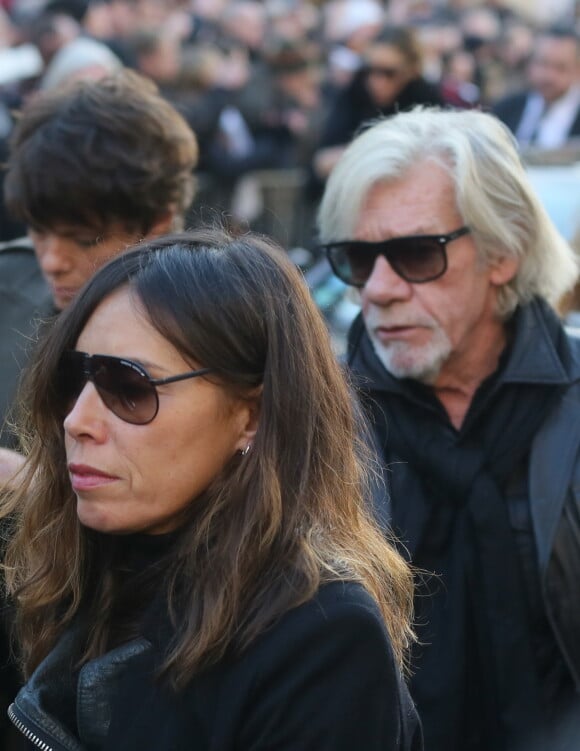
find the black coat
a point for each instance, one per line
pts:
(323, 678)
(547, 490)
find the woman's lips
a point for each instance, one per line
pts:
(84, 477)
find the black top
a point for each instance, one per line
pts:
(323, 678)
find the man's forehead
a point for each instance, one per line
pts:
(70, 230)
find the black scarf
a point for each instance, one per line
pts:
(454, 517)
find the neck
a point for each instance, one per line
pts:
(464, 372)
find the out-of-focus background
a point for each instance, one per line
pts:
(275, 89)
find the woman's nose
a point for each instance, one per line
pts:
(87, 416)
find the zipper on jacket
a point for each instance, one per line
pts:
(26, 732)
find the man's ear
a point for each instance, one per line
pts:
(503, 270)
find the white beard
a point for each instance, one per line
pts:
(420, 362)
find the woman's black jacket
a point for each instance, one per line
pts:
(323, 678)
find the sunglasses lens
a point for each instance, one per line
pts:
(417, 260)
(352, 262)
(125, 390)
(71, 378)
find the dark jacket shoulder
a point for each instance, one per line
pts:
(322, 677)
(18, 262)
(24, 300)
(510, 108)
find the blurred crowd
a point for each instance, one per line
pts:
(275, 85)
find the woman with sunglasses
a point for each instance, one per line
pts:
(389, 80)
(193, 563)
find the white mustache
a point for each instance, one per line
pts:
(380, 320)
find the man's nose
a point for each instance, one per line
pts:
(384, 285)
(53, 253)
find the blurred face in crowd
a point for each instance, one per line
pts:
(427, 331)
(554, 67)
(461, 66)
(516, 45)
(162, 63)
(69, 255)
(387, 72)
(140, 478)
(246, 23)
(208, 9)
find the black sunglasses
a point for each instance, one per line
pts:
(124, 386)
(415, 258)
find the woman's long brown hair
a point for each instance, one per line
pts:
(292, 514)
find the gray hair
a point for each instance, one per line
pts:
(493, 193)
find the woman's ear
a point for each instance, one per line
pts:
(249, 413)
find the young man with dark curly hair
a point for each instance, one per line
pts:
(93, 168)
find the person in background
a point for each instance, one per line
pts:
(514, 50)
(547, 114)
(87, 188)
(458, 86)
(389, 81)
(473, 389)
(481, 28)
(157, 54)
(194, 560)
(67, 53)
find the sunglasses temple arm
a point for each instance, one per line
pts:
(180, 377)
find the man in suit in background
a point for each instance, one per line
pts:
(547, 114)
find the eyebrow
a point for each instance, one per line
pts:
(154, 367)
(416, 233)
(149, 366)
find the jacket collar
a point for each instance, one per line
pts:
(537, 356)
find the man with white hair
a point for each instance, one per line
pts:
(472, 386)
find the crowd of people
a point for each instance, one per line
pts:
(283, 85)
(214, 532)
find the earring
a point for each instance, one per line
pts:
(246, 451)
